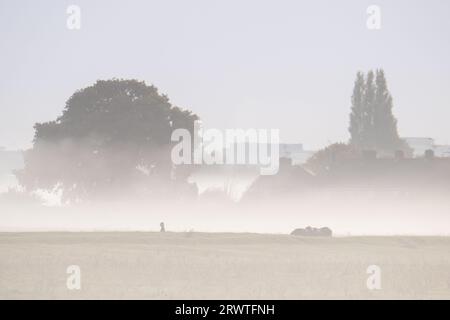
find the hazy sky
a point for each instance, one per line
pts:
(238, 64)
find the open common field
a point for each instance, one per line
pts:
(192, 265)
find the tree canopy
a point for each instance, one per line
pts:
(112, 137)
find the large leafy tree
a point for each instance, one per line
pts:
(112, 138)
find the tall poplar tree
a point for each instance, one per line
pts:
(385, 124)
(368, 133)
(372, 123)
(357, 114)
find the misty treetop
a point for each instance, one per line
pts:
(372, 123)
(113, 135)
(373, 127)
(116, 111)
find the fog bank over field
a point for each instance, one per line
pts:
(372, 215)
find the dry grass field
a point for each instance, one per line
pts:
(140, 265)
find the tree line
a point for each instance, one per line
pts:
(114, 137)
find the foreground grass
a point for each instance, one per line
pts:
(221, 266)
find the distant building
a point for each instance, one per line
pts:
(237, 179)
(288, 150)
(295, 152)
(442, 151)
(291, 151)
(421, 145)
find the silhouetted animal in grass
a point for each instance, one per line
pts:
(163, 228)
(312, 232)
